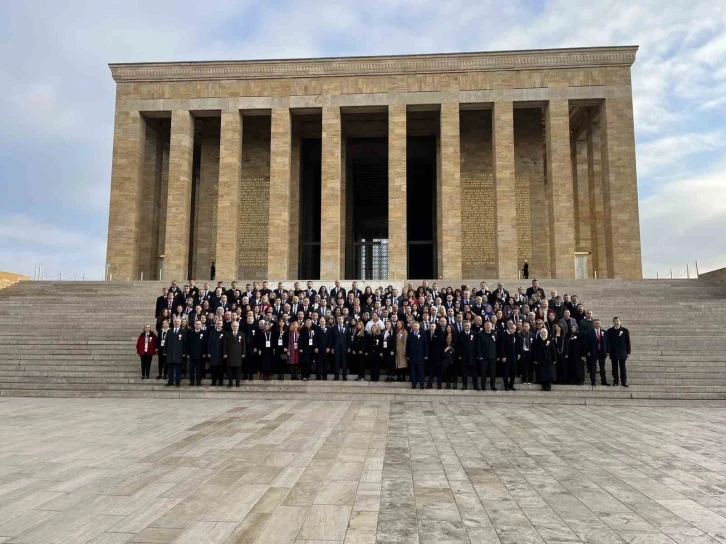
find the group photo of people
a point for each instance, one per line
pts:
(428, 335)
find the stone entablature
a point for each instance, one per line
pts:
(538, 59)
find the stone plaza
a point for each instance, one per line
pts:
(111, 471)
(413, 166)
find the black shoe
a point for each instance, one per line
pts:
(615, 384)
(158, 377)
(593, 384)
(167, 385)
(464, 388)
(606, 384)
(477, 389)
(335, 379)
(512, 388)
(229, 385)
(178, 385)
(448, 386)
(413, 386)
(428, 386)
(454, 387)
(438, 386)
(625, 385)
(237, 384)
(422, 386)
(199, 384)
(494, 389)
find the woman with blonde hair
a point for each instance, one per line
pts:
(401, 361)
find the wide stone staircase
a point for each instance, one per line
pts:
(77, 339)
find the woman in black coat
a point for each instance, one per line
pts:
(575, 351)
(543, 355)
(374, 352)
(389, 350)
(281, 355)
(266, 350)
(558, 339)
(357, 350)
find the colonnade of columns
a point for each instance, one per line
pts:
(611, 227)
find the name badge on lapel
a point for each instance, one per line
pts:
(180, 337)
(267, 343)
(279, 341)
(310, 342)
(621, 333)
(239, 339)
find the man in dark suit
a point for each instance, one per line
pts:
(618, 343)
(324, 337)
(507, 345)
(161, 302)
(306, 345)
(196, 350)
(340, 346)
(436, 355)
(280, 290)
(535, 289)
(417, 352)
(236, 351)
(175, 351)
(465, 348)
(487, 355)
(357, 293)
(337, 289)
(217, 352)
(500, 290)
(597, 350)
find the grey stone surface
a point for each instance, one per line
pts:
(227, 471)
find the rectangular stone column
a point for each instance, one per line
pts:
(228, 194)
(124, 218)
(597, 213)
(278, 238)
(179, 199)
(397, 233)
(504, 190)
(205, 218)
(332, 236)
(560, 193)
(449, 184)
(620, 189)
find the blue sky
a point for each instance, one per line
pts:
(57, 98)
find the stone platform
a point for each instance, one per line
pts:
(77, 339)
(113, 471)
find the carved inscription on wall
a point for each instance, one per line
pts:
(253, 222)
(478, 227)
(524, 222)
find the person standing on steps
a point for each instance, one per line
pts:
(196, 350)
(487, 355)
(597, 351)
(212, 271)
(236, 352)
(175, 351)
(465, 349)
(341, 347)
(543, 355)
(525, 270)
(145, 348)
(217, 352)
(507, 344)
(307, 348)
(416, 354)
(618, 342)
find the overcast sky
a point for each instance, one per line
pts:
(57, 98)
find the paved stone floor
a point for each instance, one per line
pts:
(107, 471)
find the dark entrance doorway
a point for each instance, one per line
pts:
(421, 207)
(310, 192)
(367, 205)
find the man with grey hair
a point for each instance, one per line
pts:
(175, 351)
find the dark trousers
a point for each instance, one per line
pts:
(620, 375)
(305, 364)
(488, 367)
(592, 363)
(196, 371)
(361, 363)
(217, 373)
(470, 368)
(145, 365)
(233, 374)
(321, 365)
(162, 364)
(527, 370)
(417, 373)
(375, 368)
(341, 363)
(248, 366)
(174, 370)
(437, 371)
(579, 375)
(508, 373)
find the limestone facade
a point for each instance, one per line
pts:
(535, 159)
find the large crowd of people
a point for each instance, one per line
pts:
(428, 335)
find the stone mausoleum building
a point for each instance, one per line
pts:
(418, 166)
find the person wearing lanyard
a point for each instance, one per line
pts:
(145, 348)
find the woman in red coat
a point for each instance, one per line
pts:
(145, 348)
